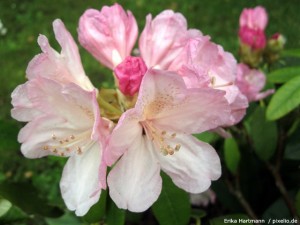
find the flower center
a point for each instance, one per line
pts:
(161, 138)
(69, 145)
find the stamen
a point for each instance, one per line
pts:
(177, 147)
(46, 148)
(161, 139)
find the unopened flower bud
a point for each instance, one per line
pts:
(130, 74)
(276, 42)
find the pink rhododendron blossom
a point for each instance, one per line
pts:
(155, 135)
(59, 103)
(208, 65)
(64, 67)
(252, 25)
(130, 74)
(163, 38)
(109, 35)
(251, 82)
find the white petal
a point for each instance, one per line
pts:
(194, 166)
(123, 136)
(135, 181)
(80, 183)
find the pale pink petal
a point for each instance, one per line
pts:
(57, 131)
(163, 39)
(264, 94)
(109, 35)
(135, 182)
(123, 136)
(80, 182)
(65, 67)
(23, 109)
(251, 82)
(194, 166)
(170, 104)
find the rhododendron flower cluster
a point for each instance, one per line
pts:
(181, 83)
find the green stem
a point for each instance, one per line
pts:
(105, 105)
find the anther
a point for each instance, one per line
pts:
(72, 137)
(173, 135)
(55, 151)
(45, 148)
(61, 142)
(177, 147)
(163, 132)
(79, 151)
(62, 154)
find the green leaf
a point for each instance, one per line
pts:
(283, 75)
(292, 151)
(285, 99)
(173, 206)
(231, 219)
(115, 216)
(207, 137)
(291, 53)
(297, 202)
(263, 134)
(67, 219)
(25, 196)
(10, 213)
(231, 154)
(277, 210)
(97, 211)
(4, 206)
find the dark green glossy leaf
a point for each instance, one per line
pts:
(263, 134)
(97, 211)
(25, 196)
(207, 137)
(4, 206)
(277, 210)
(115, 216)
(172, 206)
(67, 219)
(231, 154)
(231, 219)
(285, 99)
(283, 75)
(10, 213)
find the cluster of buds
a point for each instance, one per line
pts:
(254, 45)
(254, 50)
(181, 83)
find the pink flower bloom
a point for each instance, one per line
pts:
(64, 67)
(59, 103)
(154, 136)
(251, 82)
(130, 74)
(208, 65)
(109, 35)
(252, 25)
(163, 38)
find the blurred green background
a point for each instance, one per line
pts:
(24, 20)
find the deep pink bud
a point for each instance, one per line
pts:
(130, 74)
(254, 38)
